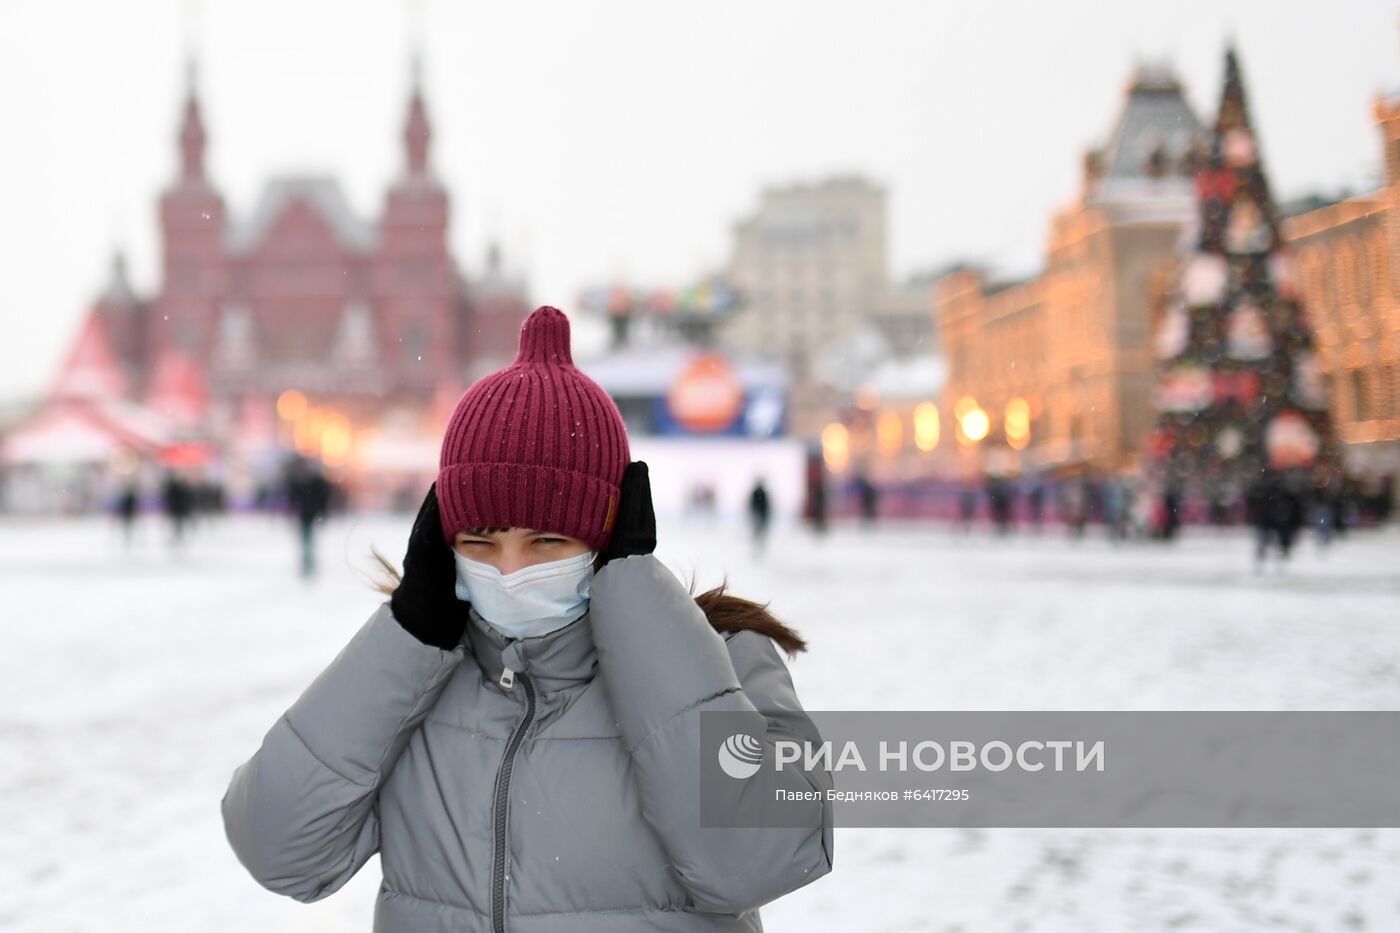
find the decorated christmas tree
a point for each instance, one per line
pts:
(1240, 396)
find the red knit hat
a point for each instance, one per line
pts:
(534, 445)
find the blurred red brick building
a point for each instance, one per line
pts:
(362, 328)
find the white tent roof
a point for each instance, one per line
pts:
(85, 432)
(62, 437)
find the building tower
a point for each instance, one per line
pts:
(193, 268)
(414, 282)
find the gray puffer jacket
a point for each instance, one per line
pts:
(538, 785)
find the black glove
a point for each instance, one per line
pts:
(425, 602)
(634, 531)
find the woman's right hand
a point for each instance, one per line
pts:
(425, 602)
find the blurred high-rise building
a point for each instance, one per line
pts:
(810, 264)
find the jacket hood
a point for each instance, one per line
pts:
(554, 660)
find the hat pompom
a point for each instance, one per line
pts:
(544, 337)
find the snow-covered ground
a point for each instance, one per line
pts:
(133, 683)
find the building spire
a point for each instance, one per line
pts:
(1234, 108)
(416, 132)
(118, 290)
(1234, 142)
(192, 137)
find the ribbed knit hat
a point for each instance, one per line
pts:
(534, 445)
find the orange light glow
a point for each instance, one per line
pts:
(291, 405)
(926, 426)
(1017, 423)
(974, 425)
(889, 429)
(835, 446)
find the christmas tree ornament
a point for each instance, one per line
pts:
(1238, 147)
(1309, 386)
(1204, 280)
(1247, 386)
(1290, 441)
(1283, 274)
(1229, 442)
(1215, 186)
(1185, 389)
(1174, 333)
(1247, 333)
(1246, 232)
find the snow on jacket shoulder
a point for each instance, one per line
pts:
(538, 785)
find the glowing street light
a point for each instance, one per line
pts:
(926, 426)
(1017, 423)
(291, 405)
(975, 425)
(835, 446)
(889, 430)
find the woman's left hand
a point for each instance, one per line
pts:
(635, 529)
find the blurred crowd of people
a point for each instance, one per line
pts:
(1126, 508)
(301, 491)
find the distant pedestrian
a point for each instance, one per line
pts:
(999, 501)
(1115, 508)
(1324, 518)
(868, 497)
(309, 496)
(1276, 513)
(815, 510)
(967, 507)
(1171, 511)
(1088, 501)
(177, 498)
(128, 501)
(760, 515)
(1035, 504)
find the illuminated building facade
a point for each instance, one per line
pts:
(1056, 372)
(1347, 254)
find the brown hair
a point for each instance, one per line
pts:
(725, 611)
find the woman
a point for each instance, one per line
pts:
(515, 729)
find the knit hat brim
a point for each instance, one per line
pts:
(545, 498)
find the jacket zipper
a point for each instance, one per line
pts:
(502, 800)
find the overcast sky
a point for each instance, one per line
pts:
(604, 139)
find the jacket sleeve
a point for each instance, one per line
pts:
(302, 813)
(663, 664)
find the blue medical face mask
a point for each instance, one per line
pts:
(530, 601)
